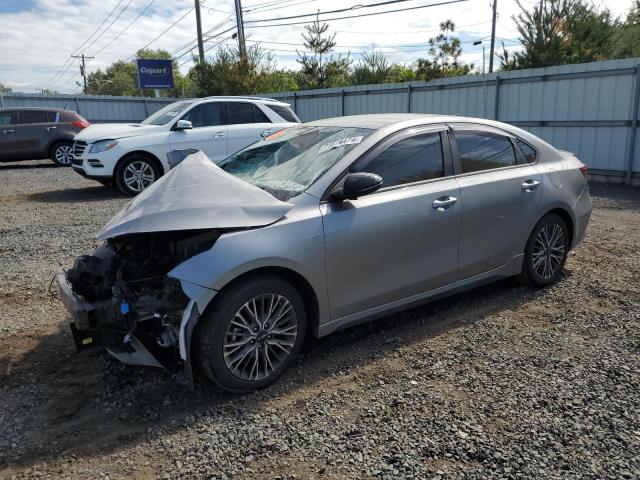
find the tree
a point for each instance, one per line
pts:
(316, 72)
(628, 40)
(227, 73)
(445, 52)
(4, 88)
(120, 78)
(372, 68)
(565, 31)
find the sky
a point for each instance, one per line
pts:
(39, 36)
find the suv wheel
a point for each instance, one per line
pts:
(252, 334)
(135, 174)
(62, 153)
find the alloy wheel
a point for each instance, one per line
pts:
(64, 154)
(548, 250)
(139, 175)
(260, 337)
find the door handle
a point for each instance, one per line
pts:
(8, 131)
(266, 133)
(218, 134)
(530, 185)
(442, 203)
(51, 128)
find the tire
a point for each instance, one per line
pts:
(135, 173)
(228, 341)
(546, 251)
(62, 153)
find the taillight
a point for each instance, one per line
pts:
(583, 170)
(80, 124)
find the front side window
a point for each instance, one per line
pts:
(288, 162)
(484, 151)
(413, 159)
(204, 115)
(166, 114)
(6, 118)
(32, 116)
(527, 150)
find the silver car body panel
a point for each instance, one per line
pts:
(196, 195)
(368, 257)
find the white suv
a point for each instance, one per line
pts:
(133, 156)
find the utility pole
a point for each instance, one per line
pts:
(199, 30)
(493, 35)
(241, 41)
(83, 70)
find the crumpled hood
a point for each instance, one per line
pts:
(107, 131)
(197, 194)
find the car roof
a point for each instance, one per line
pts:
(243, 98)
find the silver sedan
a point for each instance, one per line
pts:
(230, 268)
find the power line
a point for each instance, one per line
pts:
(59, 73)
(357, 16)
(163, 32)
(127, 27)
(109, 26)
(340, 10)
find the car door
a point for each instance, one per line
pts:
(7, 135)
(247, 123)
(401, 240)
(32, 134)
(500, 194)
(209, 134)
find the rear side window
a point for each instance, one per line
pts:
(205, 115)
(480, 151)
(32, 116)
(240, 112)
(285, 112)
(528, 152)
(259, 116)
(6, 118)
(413, 159)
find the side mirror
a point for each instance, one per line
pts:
(184, 125)
(359, 184)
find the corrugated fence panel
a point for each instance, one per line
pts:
(585, 108)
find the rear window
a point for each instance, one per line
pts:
(6, 118)
(285, 112)
(32, 116)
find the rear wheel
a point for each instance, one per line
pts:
(252, 334)
(135, 173)
(62, 153)
(546, 251)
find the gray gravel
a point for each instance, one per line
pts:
(501, 382)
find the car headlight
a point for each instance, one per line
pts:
(103, 146)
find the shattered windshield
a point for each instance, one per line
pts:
(289, 161)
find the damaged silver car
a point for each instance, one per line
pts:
(229, 268)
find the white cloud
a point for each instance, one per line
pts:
(36, 42)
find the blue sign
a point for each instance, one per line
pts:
(155, 73)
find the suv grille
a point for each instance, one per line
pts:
(79, 148)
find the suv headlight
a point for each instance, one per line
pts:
(103, 146)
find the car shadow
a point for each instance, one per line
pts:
(94, 193)
(89, 404)
(26, 166)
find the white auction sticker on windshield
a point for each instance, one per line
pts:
(340, 143)
(171, 114)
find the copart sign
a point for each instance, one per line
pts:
(154, 73)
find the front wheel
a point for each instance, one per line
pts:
(546, 251)
(252, 334)
(135, 174)
(62, 154)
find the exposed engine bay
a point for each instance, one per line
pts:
(123, 299)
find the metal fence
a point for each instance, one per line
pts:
(95, 108)
(589, 109)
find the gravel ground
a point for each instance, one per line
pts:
(502, 382)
